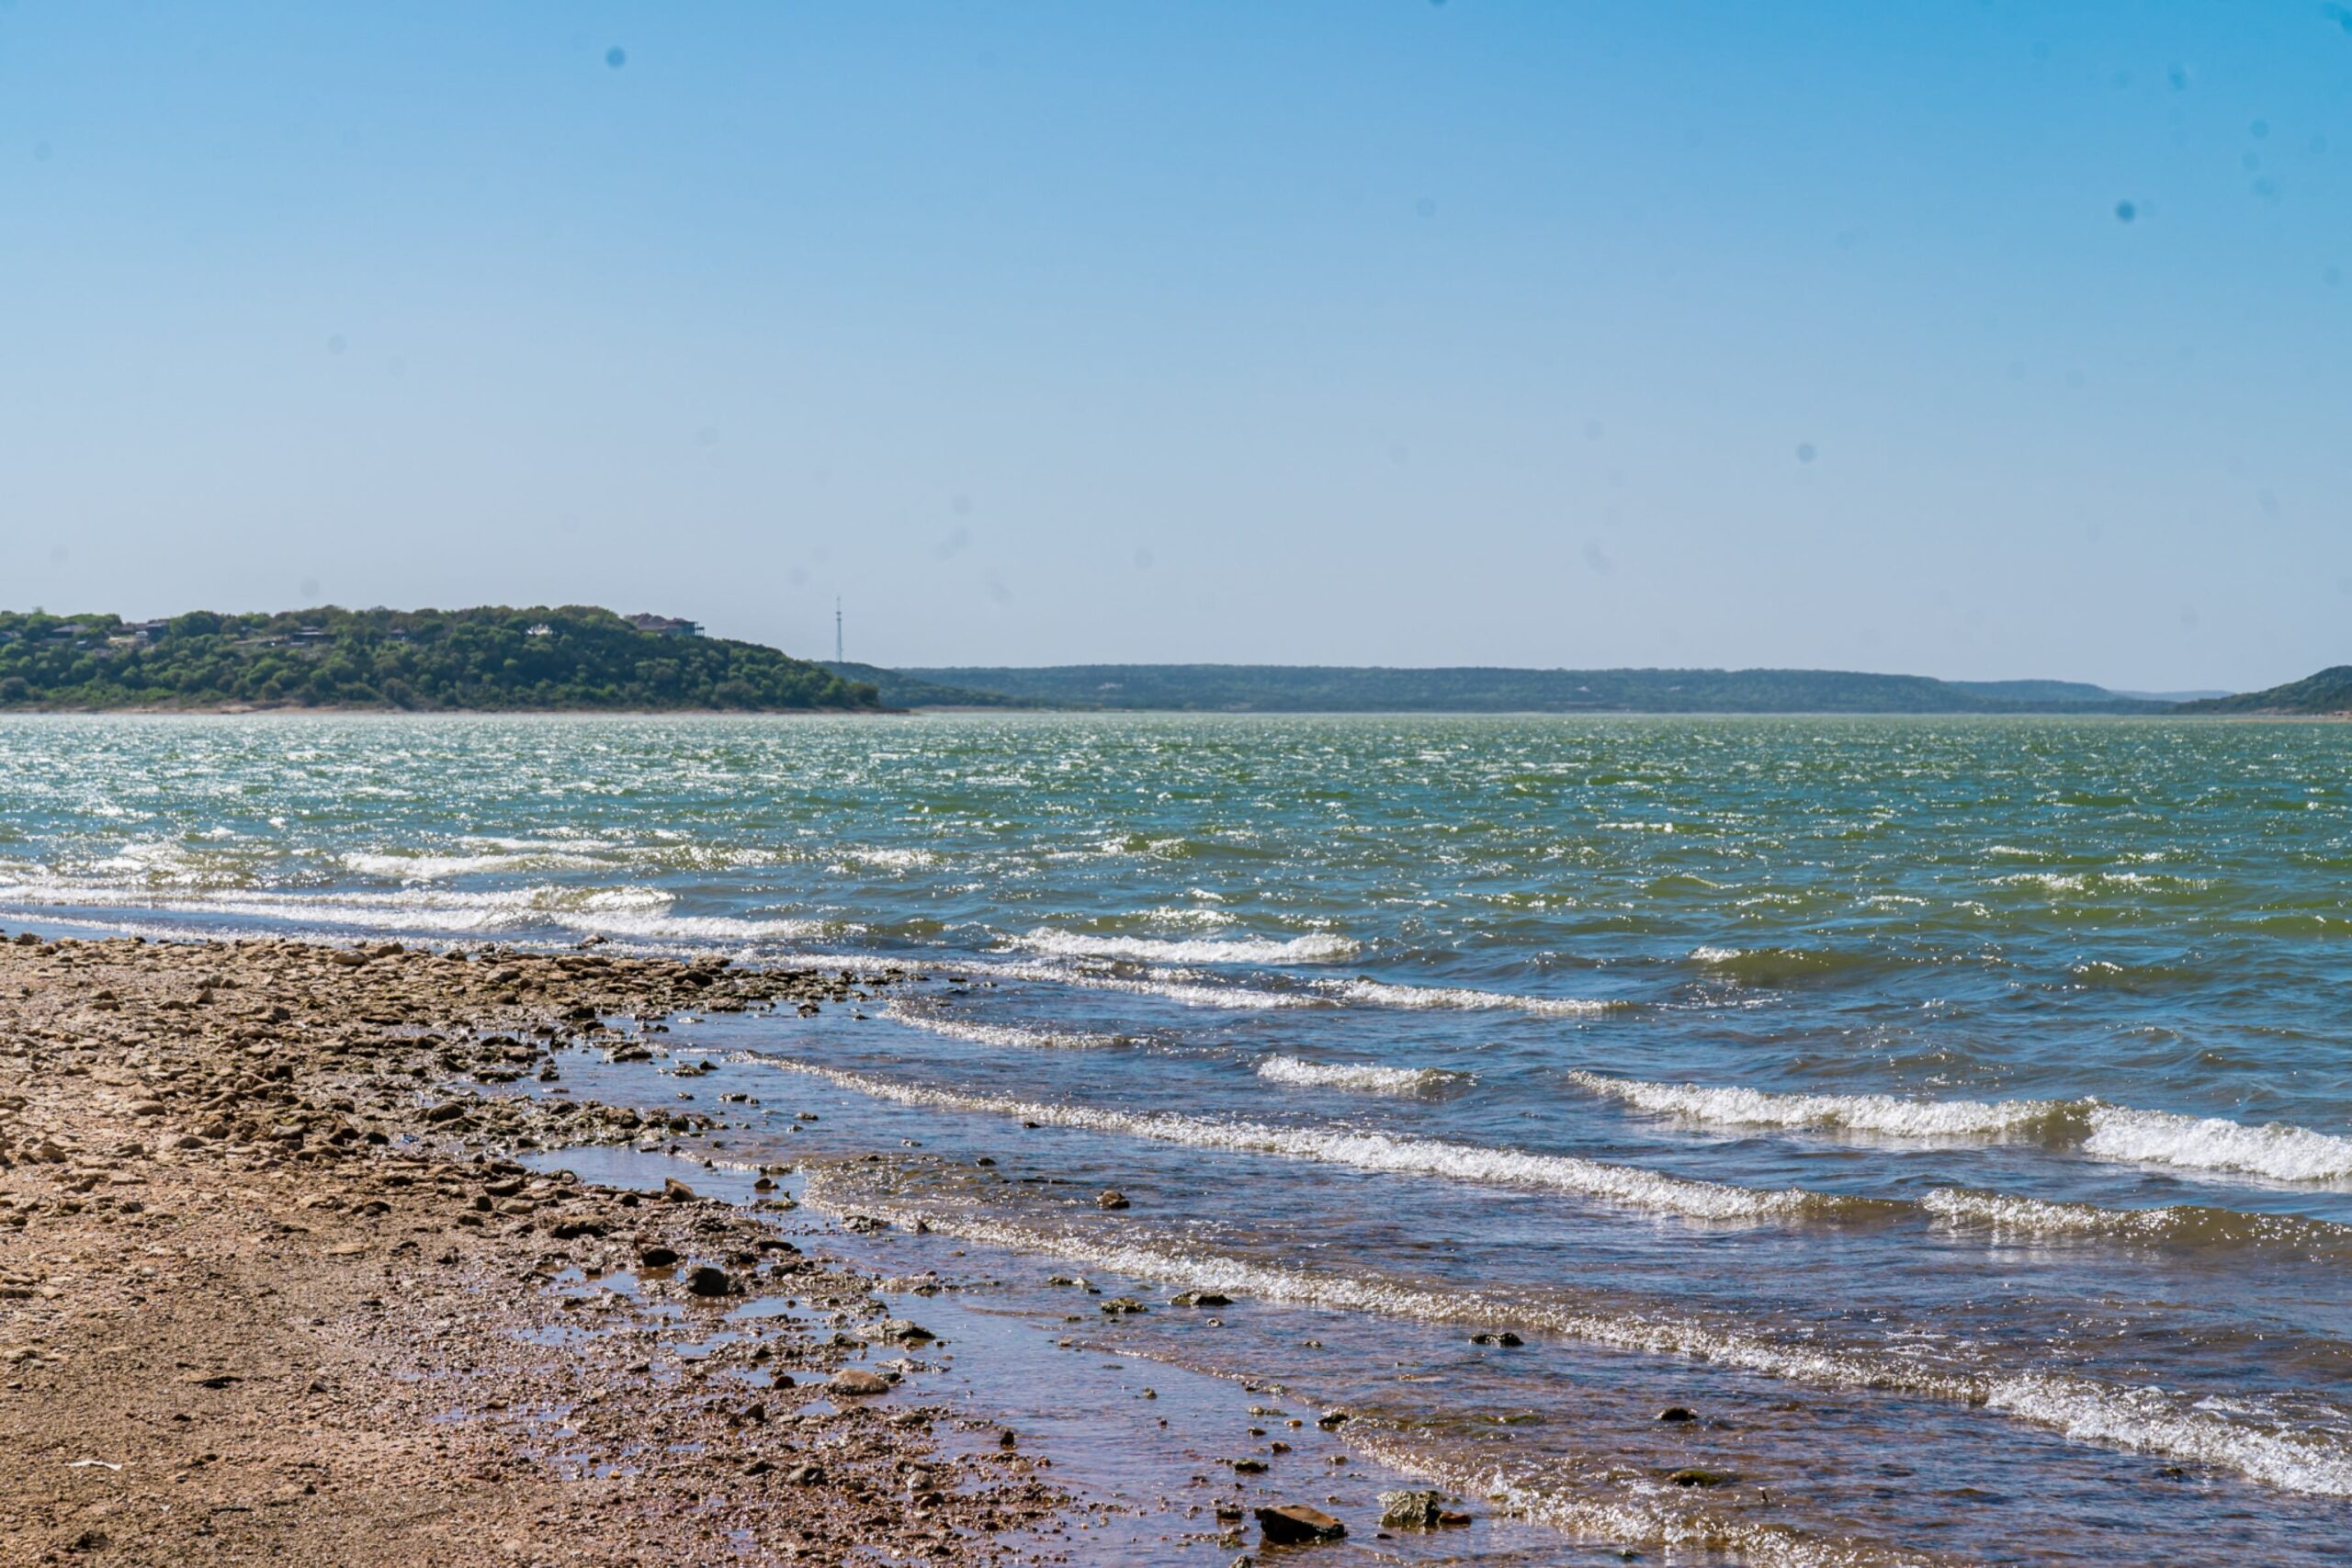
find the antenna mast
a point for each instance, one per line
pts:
(837, 630)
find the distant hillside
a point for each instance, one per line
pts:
(1274, 688)
(901, 690)
(2040, 694)
(2330, 691)
(493, 659)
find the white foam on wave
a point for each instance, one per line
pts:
(699, 927)
(623, 911)
(1855, 1112)
(1386, 994)
(2143, 1420)
(2281, 1152)
(866, 857)
(1321, 947)
(437, 868)
(1361, 1076)
(1232, 998)
(1626, 1185)
(2007, 1212)
(2180, 1225)
(1009, 1034)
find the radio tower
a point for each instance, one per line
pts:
(837, 630)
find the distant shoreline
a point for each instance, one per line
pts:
(323, 710)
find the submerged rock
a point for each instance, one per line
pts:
(1418, 1508)
(1111, 1197)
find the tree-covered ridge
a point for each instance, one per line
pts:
(2329, 691)
(491, 659)
(1284, 688)
(901, 690)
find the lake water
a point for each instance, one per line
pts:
(1955, 1116)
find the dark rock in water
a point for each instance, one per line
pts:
(1110, 1198)
(657, 1257)
(709, 1280)
(1332, 1420)
(1119, 1305)
(1676, 1413)
(1694, 1476)
(1200, 1299)
(900, 1331)
(1506, 1339)
(1412, 1510)
(1295, 1524)
(858, 1383)
(1245, 1466)
(677, 1191)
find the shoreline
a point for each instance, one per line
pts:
(237, 710)
(290, 1267)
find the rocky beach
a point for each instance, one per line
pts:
(271, 1289)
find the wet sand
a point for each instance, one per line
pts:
(270, 1289)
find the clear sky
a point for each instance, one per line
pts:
(1981, 340)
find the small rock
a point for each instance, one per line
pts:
(657, 1257)
(1248, 1466)
(1295, 1524)
(677, 1191)
(708, 1280)
(1694, 1476)
(806, 1475)
(1505, 1338)
(1118, 1306)
(900, 1331)
(1200, 1299)
(1418, 1509)
(857, 1382)
(1676, 1413)
(1332, 1420)
(1111, 1197)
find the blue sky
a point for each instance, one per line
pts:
(1365, 332)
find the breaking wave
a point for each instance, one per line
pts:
(1383, 993)
(1361, 1076)
(1010, 1034)
(2112, 1133)
(1855, 1112)
(1322, 947)
(2276, 1150)
(1627, 1185)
